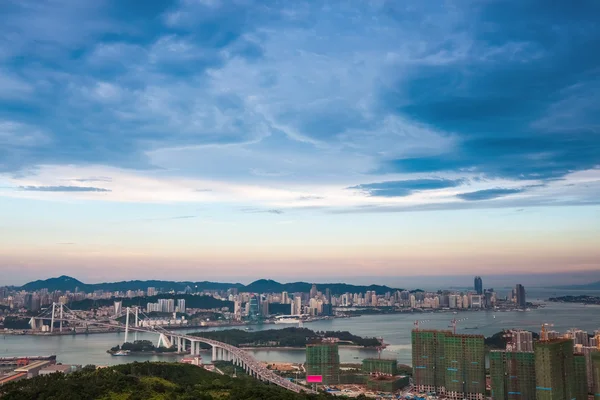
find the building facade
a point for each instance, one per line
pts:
(512, 375)
(324, 359)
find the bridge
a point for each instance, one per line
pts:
(220, 351)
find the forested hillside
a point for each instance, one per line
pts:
(144, 381)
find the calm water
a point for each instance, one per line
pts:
(395, 330)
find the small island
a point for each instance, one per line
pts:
(140, 347)
(581, 299)
(285, 338)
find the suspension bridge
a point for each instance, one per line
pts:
(61, 314)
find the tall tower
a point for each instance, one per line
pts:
(478, 285)
(520, 293)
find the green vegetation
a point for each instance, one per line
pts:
(147, 381)
(142, 346)
(12, 322)
(583, 299)
(288, 337)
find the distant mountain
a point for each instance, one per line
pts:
(587, 286)
(61, 283)
(64, 283)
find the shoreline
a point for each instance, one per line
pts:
(238, 325)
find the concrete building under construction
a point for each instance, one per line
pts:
(380, 366)
(512, 375)
(323, 359)
(596, 375)
(450, 364)
(555, 370)
(579, 390)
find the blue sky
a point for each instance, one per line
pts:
(245, 139)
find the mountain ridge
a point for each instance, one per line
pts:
(64, 283)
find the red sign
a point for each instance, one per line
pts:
(314, 378)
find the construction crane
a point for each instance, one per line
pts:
(417, 322)
(380, 347)
(544, 332)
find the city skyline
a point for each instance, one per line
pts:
(225, 141)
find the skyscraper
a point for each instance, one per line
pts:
(478, 285)
(520, 294)
(313, 291)
(554, 369)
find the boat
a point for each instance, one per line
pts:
(287, 319)
(121, 353)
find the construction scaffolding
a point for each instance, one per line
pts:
(450, 364)
(554, 369)
(596, 374)
(380, 366)
(512, 375)
(323, 359)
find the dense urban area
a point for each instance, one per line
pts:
(445, 364)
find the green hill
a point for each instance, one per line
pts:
(143, 381)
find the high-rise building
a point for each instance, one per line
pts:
(512, 375)
(579, 337)
(323, 359)
(284, 298)
(151, 291)
(254, 308)
(478, 285)
(554, 369)
(520, 295)
(118, 307)
(313, 291)
(579, 389)
(166, 305)
(588, 352)
(449, 364)
(428, 360)
(297, 305)
(521, 341)
(465, 366)
(237, 310)
(596, 375)
(181, 305)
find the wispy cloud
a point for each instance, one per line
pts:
(63, 189)
(405, 188)
(488, 194)
(262, 211)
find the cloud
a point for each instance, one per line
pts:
(261, 211)
(405, 188)
(62, 189)
(94, 179)
(286, 99)
(488, 194)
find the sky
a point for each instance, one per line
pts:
(299, 140)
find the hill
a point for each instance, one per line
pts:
(64, 283)
(142, 381)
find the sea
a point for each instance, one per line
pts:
(395, 329)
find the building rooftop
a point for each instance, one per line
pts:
(58, 368)
(32, 366)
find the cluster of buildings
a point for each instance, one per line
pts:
(555, 367)
(375, 374)
(13, 369)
